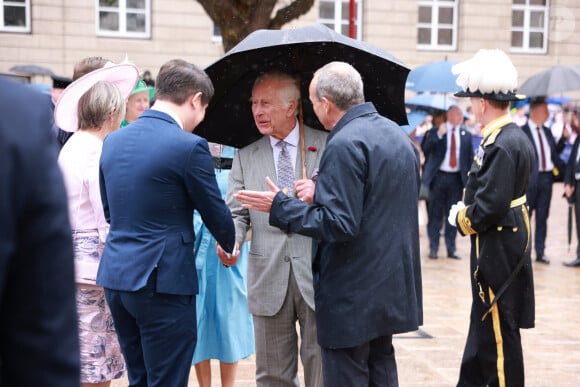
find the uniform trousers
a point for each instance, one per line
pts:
(493, 351)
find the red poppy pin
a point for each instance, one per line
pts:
(312, 148)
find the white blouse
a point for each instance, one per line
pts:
(79, 162)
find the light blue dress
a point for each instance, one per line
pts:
(224, 326)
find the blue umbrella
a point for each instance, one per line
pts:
(431, 102)
(415, 118)
(434, 77)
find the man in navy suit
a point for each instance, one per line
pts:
(450, 150)
(38, 319)
(154, 173)
(548, 163)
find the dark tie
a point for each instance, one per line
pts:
(285, 169)
(453, 150)
(542, 154)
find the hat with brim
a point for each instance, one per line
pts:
(489, 74)
(140, 87)
(124, 76)
(509, 96)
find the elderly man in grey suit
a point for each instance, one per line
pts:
(280, 291)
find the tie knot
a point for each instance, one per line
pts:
(281, 144)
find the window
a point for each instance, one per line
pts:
(335, 14)
(216, 34)
(15, 16)
(124, 18)
(437, 25)
(530, 26)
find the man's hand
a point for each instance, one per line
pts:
(453, 213)
(442, 129)
(258, 200)
(304, 190)
(568, 190)
(225, 258)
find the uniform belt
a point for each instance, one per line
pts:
(518, 202)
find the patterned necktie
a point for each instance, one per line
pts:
(453, 150)
(285, 168)
(542, 154)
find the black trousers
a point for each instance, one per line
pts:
(493, 352)
(370, 364)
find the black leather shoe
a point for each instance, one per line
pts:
(453, 256)
(574, 263)
(543, 259)
(432, 254)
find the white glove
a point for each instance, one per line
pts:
(453, 212)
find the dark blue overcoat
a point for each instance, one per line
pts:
(364, 220)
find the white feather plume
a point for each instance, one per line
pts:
(489, 71)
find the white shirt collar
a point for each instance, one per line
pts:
(167, 109)
(292, 138)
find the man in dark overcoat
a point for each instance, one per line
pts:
(364, 215)
(494, 213)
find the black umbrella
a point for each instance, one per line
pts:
(555, 80)
(299, 51)
(31, 69)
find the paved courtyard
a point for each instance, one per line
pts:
(431, 356)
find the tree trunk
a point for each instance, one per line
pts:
(236, 19)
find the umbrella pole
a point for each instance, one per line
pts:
(302, 146)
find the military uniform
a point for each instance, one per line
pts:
(496, 218)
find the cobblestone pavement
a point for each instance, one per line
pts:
(431, 356)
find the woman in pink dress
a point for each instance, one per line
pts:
(92, 107)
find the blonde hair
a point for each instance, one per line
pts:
(97, 103)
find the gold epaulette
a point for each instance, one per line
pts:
(489, 140)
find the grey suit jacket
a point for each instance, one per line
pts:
(272, 251)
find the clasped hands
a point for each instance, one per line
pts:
(262, 201)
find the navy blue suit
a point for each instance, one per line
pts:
(153, 175)
(445, 189)
(540, 189)
(39, 344)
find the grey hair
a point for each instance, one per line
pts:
(340, 83)
(96, 104)
(288, 90)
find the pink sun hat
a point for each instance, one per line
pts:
(124, 76)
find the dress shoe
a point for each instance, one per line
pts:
(543, 259)
(432, 254)
(453, 256)
(574, 263)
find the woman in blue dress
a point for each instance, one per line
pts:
(224, 326)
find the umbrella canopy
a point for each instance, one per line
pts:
(431, 102)
(299, 51)
(555, 80)
(415, 118)
(433, 77)
(31, 69)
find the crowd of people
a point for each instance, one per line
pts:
(186, 251)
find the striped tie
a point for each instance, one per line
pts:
(285, 168)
